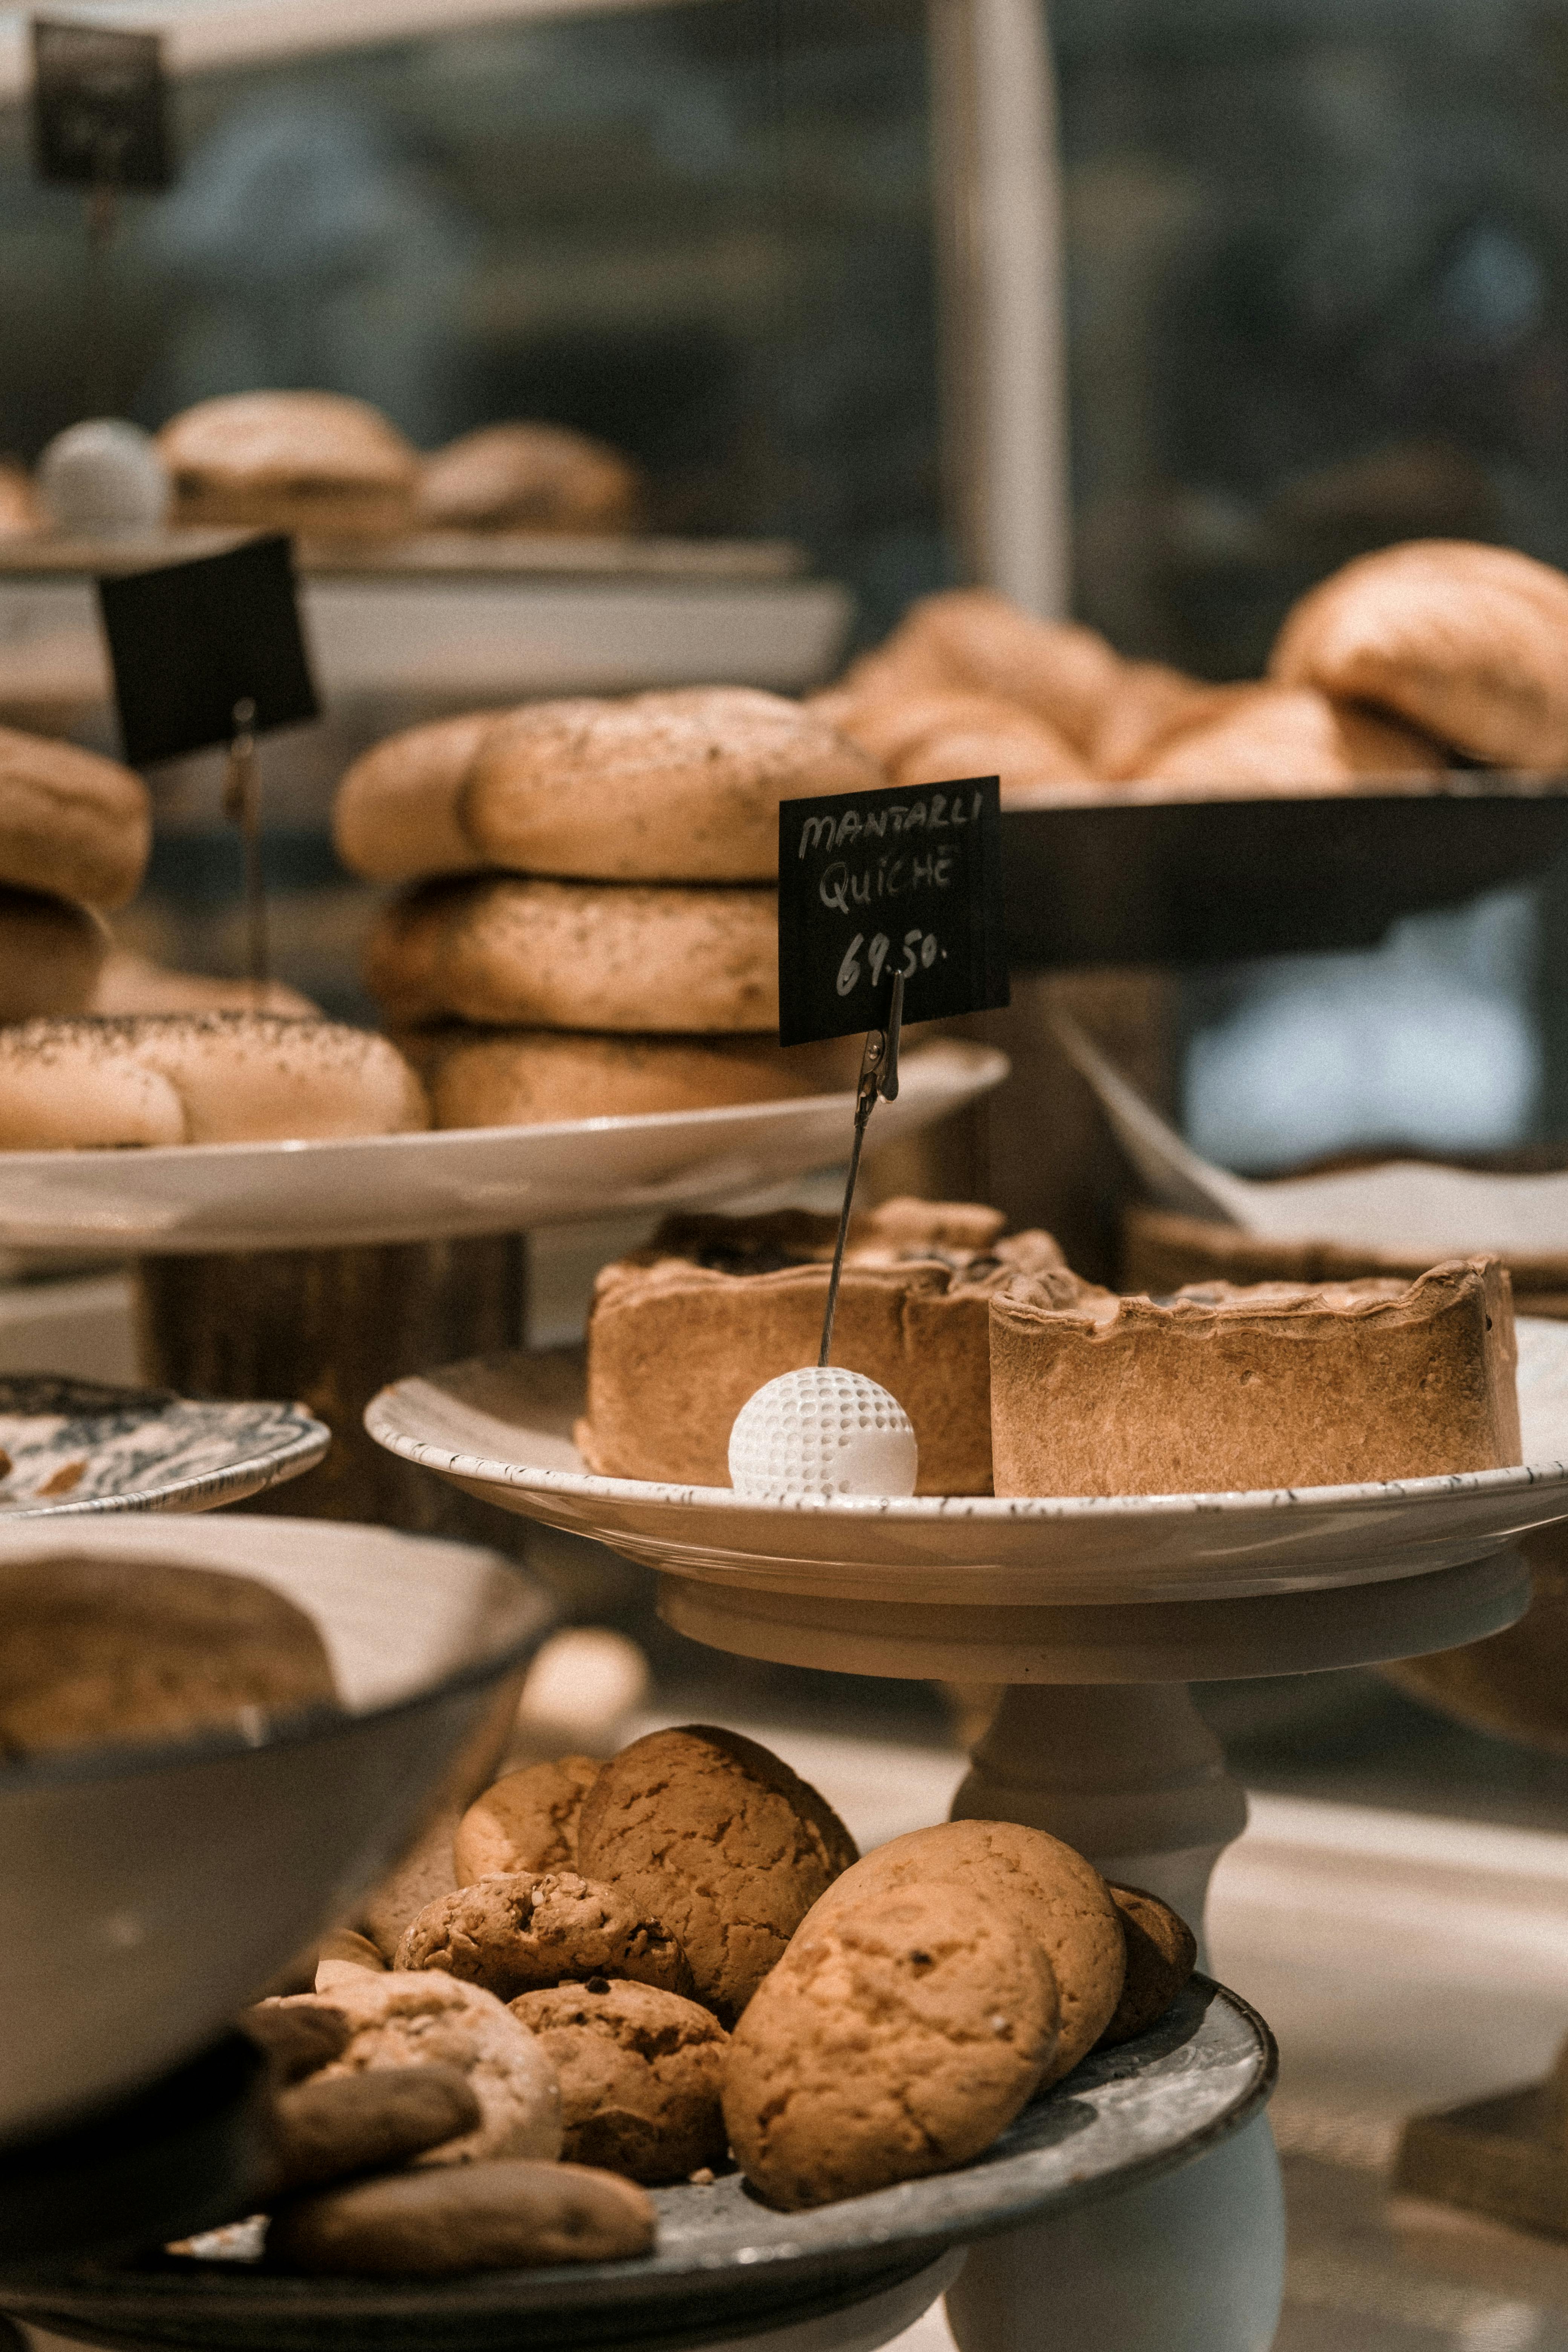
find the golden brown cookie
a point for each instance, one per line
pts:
(490, 2217)
(424, 2018)
(325, 2128)
(578, 955)
(95, 1649)
(720, 1839)
(514, 1933)
(1162, 1953)
(639, 2072)
(895, 2039)
(421, 1874)
(1468, 643)
(1060, 1898)
(524, 1821)
(343, 1949)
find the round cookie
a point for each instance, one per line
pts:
(1060, 1898)
(895, 2039)
(1162, 1953)
(490, 2217)
(524, 1821)
(578, 955)
(639, 2072)
(1467, 642)
(722, 1842)
(530, 1078)
(71, 824)
(422, 2018)
(198, 1078)
(514, 1933)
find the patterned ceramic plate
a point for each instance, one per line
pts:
(73, 1446)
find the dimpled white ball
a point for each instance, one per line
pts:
(104, 477)
(823, 1430)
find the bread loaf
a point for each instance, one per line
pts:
(1222, 1389)
(198, 1078)
(295, 461)
(70, 824)
(578, 955)
(1468, 643)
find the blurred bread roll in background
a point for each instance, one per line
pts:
(313, 462)
(52, 954)
(529, 476)
(71, 824)
(1282, 736)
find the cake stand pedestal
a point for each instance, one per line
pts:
(1095, 1613)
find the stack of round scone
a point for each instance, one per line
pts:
(1405, 663)
(649, 1967)
(590, 926)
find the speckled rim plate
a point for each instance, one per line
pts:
(500, 1427)
(376, 1189)
(75, 1447)
(1121, 2116)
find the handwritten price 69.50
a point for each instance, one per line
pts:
(920, 951)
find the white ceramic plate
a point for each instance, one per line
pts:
(72, 1446)
(491, 1180)
(501, 1426)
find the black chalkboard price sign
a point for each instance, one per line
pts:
(871, 884)
(99, 107)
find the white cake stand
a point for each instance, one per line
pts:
(1096, 1613)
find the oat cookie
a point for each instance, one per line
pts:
(515, 1932)
(525, 1820)
(424, 2018)
(894, 2039)
(490, 2217)
(1060, 1897)
(639, 2072)
(326, 2128)
(1162, 1953)
(722, 1842)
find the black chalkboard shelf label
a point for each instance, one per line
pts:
(99, 107)
(190, 642)
(871, 884)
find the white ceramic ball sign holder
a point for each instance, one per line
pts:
(1096, 1612)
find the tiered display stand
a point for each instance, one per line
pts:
(1096, 1613)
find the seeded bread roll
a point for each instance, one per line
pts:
(1468, 643)
(578, 955)
(528, 477)
(52, 955)
(530, 1078)
(1279, 1384)
(70, 824)
(94, 1650)
(680, 787)
(681, 1333)
(973, 640)
(295, 461)
(207, 1078)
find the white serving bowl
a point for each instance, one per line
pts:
(151, 1891)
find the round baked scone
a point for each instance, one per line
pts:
(528, 477)
(71, 825)
(985, 1866)
(94, 1650)
(578, 955)
(1467, 642)
(297, 461)
(893, 2040)
(525, 1820)
(488, 2217)
(425, 2019)
(722, 1842)
(515, 1932)
(198, 1078)
(533, 1077)
(679, 786)
(52, 954)
(1288, 738)
(639, 2072)
(1162, 1953)
(682, 1333)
